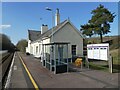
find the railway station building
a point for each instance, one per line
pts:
(62, 33)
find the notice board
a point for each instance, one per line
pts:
(98, 51)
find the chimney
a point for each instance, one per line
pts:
(57, 17)
(44, 28)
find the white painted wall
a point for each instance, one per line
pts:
(28, 48)
(34, 50)
(33, 46)
(45, 42)
(68, 34)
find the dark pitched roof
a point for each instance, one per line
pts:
(49, 32)
(34, 35)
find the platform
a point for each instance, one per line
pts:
(46, 79)
(19, 77)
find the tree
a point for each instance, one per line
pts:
(87, 29)
(99, 23)
(5, 43)
(21, 45)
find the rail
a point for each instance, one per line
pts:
(4, 57)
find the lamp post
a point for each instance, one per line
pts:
(49, 9)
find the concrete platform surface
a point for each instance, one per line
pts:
(19, 78)
(82, 79)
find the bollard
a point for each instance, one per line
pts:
(110, 64)
(86, 58)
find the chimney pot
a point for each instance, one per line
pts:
(57, 17)
(44, 28)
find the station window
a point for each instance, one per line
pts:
(36, 49)
(73, 49)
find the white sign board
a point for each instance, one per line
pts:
(98, 51)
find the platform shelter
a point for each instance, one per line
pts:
(55, 56)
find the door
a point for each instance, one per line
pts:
(73, 52)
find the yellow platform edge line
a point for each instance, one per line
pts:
(30, 76)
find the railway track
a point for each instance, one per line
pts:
(4, 67)
(4, 57)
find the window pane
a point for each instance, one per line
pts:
(73, 50)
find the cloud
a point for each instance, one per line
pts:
(4, 26)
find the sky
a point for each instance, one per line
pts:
(18, 17)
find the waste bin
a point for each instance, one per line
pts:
(78, 61)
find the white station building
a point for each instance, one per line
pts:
(62, 32)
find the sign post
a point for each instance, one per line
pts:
(100, 52)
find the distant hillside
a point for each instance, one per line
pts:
(114, 41)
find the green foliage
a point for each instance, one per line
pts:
(87, 29)
(21, 45)
(99, 23)
(5, 43)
